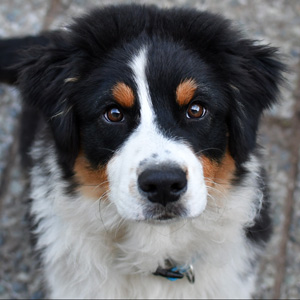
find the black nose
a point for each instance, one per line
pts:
(163, 185)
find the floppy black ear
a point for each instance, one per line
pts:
(255, 76)
(43, 77)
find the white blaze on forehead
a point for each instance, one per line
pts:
(138, 66)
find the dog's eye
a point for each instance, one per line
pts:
(195, 111)
(114, 114)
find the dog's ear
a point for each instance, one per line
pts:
(255, 73)
(44, 75)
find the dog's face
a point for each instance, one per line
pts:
(152, 122)
(156, 174)
(155, 126)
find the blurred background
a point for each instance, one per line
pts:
(275, 22)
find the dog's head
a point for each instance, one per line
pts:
(152, 106)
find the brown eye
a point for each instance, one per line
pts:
(195, 111)
(114, 115)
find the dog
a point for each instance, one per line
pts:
(146, 177)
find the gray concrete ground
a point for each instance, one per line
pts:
(272, 21)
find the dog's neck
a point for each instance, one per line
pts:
(144, 247)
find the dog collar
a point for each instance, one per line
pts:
(174, 272)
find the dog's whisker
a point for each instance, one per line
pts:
(119, 226)
(218, 210)
(185, 221)
(220, 190)
(207, 149)
(98, 186)
(100, 200)
(62, 113)
(218, 182)
(108, 149)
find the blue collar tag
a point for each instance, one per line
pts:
(175, 273)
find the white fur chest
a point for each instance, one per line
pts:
(89, 253)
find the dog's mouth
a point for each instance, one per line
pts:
(170, 212)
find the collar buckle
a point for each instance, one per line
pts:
(174, 273)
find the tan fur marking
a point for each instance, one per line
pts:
(218, 173)
(123, 94)
(186, 91)
(218, 178)
(93, 183)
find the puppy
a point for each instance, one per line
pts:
(146, 180)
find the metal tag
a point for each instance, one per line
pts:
(190, 275)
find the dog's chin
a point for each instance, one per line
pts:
(163, 220)
(158, 214)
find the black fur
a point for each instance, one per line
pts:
(11, 55)
(262, 229)
(30, 122)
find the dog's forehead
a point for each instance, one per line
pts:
(172, 74)
(161, 71)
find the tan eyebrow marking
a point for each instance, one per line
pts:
(186, 91)
(123, 94)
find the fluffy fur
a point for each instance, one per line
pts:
(143, 150)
